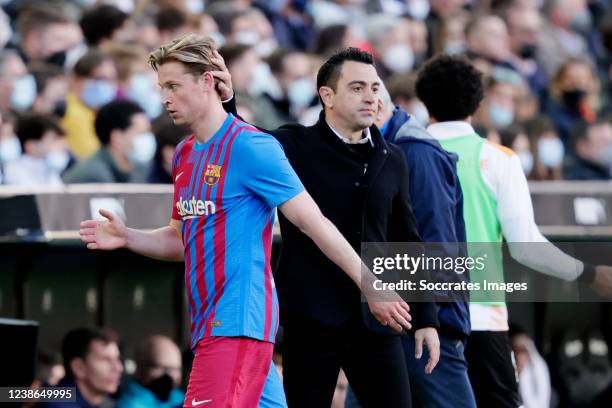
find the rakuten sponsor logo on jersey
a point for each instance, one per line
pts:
(195, 208)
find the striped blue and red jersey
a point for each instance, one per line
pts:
(225, 192)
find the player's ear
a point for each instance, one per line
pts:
(327, 96)
(207, 81)
(77, 366)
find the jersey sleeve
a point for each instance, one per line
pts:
(265, 170)
(175, 165)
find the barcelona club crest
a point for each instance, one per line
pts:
(212, 174)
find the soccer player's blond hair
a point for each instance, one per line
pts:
(195, 52)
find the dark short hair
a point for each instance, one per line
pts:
(330, 70)
(115, 115)
(450, 87)
(233, 52)
(100, 22)
(169, 134)
(33, 126)
(77, 343)
(92, 59)
(170, 19)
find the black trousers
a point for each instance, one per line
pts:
(491, 370)
(313, 354)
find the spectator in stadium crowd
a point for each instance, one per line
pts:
(390, 38)
(17, 85)
(127, 147)
(243, 63)
(135, 80)
(562, 35)
(516, 139)
(104, 24)
(51, 89)
(47, 32)
(157, 378)
(45, 152)
(574, 96)
(591, 157)
(524, 29)
(498, 109)
(547, 148)
(403, 95)
(171, 23)
(49, 369)
(487, 39)
(292, 70)
(292, 23)
(93, 84)
(93, 365)
(167, 136)
(334, 37)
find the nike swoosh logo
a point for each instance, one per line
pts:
(196, 403)
(178, 175)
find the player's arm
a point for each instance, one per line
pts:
(515, 212)
(304, 213)
(163, 243)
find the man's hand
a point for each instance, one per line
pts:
(392, 313)
(222, 78)
(428, 336)
(602, 284)
(108, 234)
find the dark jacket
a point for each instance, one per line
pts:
(575, 168)
(102, 168)
(370, 207)
(437, 202)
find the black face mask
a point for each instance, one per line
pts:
(59, 109)
(161, 387)
(572, 98)
(57, 58)
(528, 51)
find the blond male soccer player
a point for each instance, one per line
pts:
(228, 178)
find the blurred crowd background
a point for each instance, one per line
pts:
(546, 64)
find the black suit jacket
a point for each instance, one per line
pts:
(367, 201)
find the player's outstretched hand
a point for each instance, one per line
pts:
(602, 284)
(222, 78)
(429, 337)
(392, 312)
(108, 234)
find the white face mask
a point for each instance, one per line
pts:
(399, 58)
(247, 37)
(262, 81)
(550, 152)
(301, 92)
(10, 149)
(24, 93)
(144, 92)
(143, 148)
(58, 160)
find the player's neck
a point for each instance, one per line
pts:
(209, 123)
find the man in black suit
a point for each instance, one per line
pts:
(361, 184)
